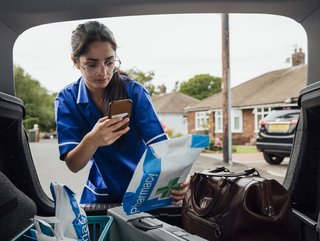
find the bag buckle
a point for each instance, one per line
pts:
(270, 210)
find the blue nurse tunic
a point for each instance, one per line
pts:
(111, 166)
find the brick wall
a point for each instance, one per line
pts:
(191, 122)
(248, 125)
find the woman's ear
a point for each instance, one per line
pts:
(75, 61)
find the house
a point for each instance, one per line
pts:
(251, 101)
(170, 108)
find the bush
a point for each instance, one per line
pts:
(171, 134)
(29, 122)
(215, 145)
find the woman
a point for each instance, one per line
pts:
(85, 134)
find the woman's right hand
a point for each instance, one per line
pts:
(105, 132)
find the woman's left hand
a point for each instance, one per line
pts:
(178, 194)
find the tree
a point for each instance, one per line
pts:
(39, 104)
(201, 86)
(144, 79)
(176, 86)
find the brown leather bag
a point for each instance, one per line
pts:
(227, 206)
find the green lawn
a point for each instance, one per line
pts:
(244, 149)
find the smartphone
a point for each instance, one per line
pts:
(120, 108)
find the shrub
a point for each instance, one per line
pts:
(215, 144)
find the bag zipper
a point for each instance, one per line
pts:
(211, 224)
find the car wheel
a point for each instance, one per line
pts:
(273, 159)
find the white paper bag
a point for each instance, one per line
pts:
(162, 167)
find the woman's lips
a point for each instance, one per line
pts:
(102, 80)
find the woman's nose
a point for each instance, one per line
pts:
(102, 70)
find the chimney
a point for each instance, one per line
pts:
(162, 89)
(298, 57)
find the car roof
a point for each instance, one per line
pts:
(287, 107)
(302, 180)
(16, 16)
(20, 15)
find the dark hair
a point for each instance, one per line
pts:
(82, 37)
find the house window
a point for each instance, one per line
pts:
(218, 121)
(259, 114)
(236, 121)
(202, 119)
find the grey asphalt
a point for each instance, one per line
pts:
(49, 168)
(45, 155)
(241, 161)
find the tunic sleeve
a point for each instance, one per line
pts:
(68, 130)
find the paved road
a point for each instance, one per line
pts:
(50, 168)
(242, 161)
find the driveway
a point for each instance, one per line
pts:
(49, 168)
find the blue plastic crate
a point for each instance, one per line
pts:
(99, 229)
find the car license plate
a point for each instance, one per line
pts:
(278, 127)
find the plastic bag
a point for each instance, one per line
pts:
(162, 167)
(70, 221)
(74, 222)
(56, 233)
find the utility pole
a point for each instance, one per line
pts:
(226, 93)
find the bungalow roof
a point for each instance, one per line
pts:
(270, 88)
(173, 102)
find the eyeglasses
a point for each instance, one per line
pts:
(94, 68)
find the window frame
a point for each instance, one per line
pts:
(262, 113)
(200, 115)
(218, 117)
(236, 113)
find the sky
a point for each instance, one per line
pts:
(175, 47)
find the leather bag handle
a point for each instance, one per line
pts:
(219, 169)
(246, 172)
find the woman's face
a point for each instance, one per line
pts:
(96, 65)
